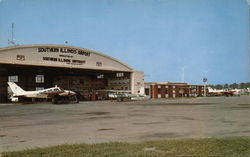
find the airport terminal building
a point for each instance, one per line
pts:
(36, 67)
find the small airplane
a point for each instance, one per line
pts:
(55, 93)
(215, 92)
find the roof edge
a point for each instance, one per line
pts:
(65, 46)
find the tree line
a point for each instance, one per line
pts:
(231, 86)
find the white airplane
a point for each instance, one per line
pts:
(55, 93)
(238, 92)
(221, 92)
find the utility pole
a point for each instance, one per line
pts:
(205, 83)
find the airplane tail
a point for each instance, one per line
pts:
(210, 89)
(16, 89)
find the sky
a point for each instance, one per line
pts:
(170, 40)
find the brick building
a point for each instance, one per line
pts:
(172, 90)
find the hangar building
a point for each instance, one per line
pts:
(35, 67)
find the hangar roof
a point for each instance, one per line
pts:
(60, 56)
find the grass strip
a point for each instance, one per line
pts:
(207, 147)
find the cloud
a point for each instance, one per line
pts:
(248, 2)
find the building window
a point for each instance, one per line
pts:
(13, 78)
(159, 90)
(147, 91)
(99, 64)
(119, 74)
(39, 88)
(39, 78)
(20, 57)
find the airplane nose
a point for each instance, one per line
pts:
(71, 93)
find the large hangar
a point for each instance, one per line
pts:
(36, 67)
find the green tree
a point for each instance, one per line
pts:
(234, 85)
(247, 85)
(242, 85)
(226, 86)
(210, 85)
(218, 86)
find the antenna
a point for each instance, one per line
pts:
(12, 40)
(12, 34)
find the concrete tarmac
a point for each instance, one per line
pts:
(24, 126)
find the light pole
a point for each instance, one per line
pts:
(205, 82)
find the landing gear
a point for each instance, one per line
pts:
(76, 100)
(55, 100)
